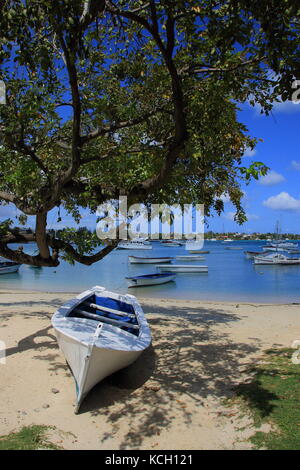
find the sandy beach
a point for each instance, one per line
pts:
(171, 398)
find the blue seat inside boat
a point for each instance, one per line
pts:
(116, 305)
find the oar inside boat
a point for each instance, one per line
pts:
(101, 318)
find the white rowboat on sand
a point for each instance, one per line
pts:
(100, 332)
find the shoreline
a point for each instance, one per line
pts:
(172, 397)
(154, 299)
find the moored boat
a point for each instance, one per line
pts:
(190, 257)
(144, 260)
(100, 332)
(276, 258)
(203, 252)
(150, 279)
(134, 245)
(251, 254)
(171, 243)
(7, 267)
(183, 268)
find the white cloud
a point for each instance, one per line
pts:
(249, 152)
(271, 179)
(225, 198)
(296, 165)
(287, 107)
(283, 202)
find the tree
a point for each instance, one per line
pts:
(132, 97)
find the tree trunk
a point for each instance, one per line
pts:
(41, 235)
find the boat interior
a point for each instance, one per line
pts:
(107, 310)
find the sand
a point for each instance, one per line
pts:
(171, 398)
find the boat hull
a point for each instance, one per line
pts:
(140, 260)
(134, 246)
(203, 252)
(9, 269)
(91, 367)
(144, 281)
(96, 349)
(183, 268)
(289, 262)
(252, 254)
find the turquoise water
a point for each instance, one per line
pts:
(231, 277)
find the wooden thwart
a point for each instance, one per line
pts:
(110, 310)
(110, 321)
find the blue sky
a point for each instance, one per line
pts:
(275, 197)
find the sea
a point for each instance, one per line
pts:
(231, 276)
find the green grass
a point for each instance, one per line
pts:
(273, 396)
(28, 438)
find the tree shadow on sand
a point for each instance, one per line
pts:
(188, 361)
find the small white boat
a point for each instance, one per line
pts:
(202, 252)
(131, 245)
(183, 268)
(190, 258)
(150, 279)
(273, 248)
(7, 267)
(142, 240)
(100, 332)
(144, 260)
(171, 243)
(276, 258)
(233, 248)
(252, 254)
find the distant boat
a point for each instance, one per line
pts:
(131, 245)
(251, 254)
(100, 332)
(142, 240)
(233, 248)
(183, 268)
(171, 243)
(150, 279)
(7, 267)
(279, 247)
(276, 258)
(190, 258)
(203, 252)
(144, 260)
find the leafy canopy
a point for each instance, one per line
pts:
(131, 97)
